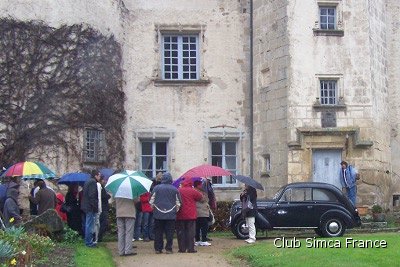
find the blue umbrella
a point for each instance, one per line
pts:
(74, 177)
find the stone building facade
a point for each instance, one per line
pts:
(324, 85)
(323, 72)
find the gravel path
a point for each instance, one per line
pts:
(205, 257)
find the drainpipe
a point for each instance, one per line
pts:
(251, 92)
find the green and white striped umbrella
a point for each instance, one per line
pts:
(128, 184)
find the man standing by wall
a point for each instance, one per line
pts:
(90, 205)
(348, 179)
(45, 198)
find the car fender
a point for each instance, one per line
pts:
(338, 213)
(262, 222)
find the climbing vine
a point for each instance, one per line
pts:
(54, 82)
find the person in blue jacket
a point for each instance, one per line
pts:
(348, 178)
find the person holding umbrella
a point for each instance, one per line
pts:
(186, 217)
(249, 209)
(126, 187)
(125, 211)
(90, 205)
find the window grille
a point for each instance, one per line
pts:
(153, 157)
(180, 58)
(329, 92)
(327, 17)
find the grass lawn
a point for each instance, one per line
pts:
(100, 256)
(322, 251)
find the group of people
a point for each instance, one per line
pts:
(184, 210)
(158, 213)
(85, 211)
(41, 199)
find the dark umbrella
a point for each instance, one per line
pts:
(74, 177)
(249, 181)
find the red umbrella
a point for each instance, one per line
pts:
(206, 170)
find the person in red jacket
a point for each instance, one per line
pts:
(186, 217)
(60, 201)
(146, 212)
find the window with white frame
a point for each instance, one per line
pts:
(327, 17)
(224, 154)
(180, 57)
(153, 157)
(329, 92)
(94, 143)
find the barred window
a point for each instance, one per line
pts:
(329, 92)
(94, 145)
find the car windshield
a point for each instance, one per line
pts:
(277, 194)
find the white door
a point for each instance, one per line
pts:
(326, 166)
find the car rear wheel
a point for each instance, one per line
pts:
(333, 227)
(240, 229)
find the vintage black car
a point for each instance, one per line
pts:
(310, 205)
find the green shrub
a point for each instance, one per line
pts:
(7, 251)
(70, 236)
(28, 247)
(112, 220)
(221, 216)
(376, 209)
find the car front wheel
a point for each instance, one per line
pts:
(333, 227)
(240, 229)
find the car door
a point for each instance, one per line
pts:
(295, 208)
(324, 200)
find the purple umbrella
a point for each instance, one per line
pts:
(106, 172)
(178, 181)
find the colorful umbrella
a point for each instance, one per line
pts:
(206, 170)
(74, 177)
(29, 170)
(128, 184)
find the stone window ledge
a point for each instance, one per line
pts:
(226, 188)
(159, 82)
(320, 107)
(321, 32)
